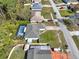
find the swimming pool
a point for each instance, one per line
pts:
(21, 29)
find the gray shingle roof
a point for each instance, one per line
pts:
(32, 30)
(38, 54)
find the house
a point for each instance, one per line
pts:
(36, 12)
(44, 52)
(33, 31)
(75, 16)
(71, 1)
(39, 52)
(36, 6)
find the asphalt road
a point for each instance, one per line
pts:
(71, 45)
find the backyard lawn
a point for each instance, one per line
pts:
(18, 53)
(7, 35)
(46, 12)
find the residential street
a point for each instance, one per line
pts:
(68, 37)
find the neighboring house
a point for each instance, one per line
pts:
(75, 18)
(39, 52)
(36, 1)
(74, 6)
(74, 33)
(71, 1)
(37, 6)
(33, 31)
(45, 52)
(36, 12)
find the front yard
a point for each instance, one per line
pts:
(51, 38)
(70, 25)
(45, 2)
(66, 13)
(46, 12)
(76, 40)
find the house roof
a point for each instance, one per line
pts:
(37, 6)
(72, 1)
(32, 30)
(34, 53)
(75, 16)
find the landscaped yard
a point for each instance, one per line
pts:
(8, 36)
(46, 12)
(76, 39)
(66, 13)
(18, 53)
(45, 2)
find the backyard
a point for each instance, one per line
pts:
(18, 53)
(8, 36)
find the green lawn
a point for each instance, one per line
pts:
(45, 2)
(66, 12)
(76, 40)
(46, 12)
(18, 53)
(50, 37)
(7, 35)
